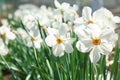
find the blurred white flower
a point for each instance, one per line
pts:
(3, 48)
(59, 42)
(29, 21)
(36, 39)
(62, 7)
(6, 32)
(96, 41)
(107, 16)
(25, 9)
(86, 18)
(71, 14)
(32, 38)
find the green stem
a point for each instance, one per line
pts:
(8, 67)
(35, 55)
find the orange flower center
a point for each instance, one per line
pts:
(4, 34)
(90, 22)
(59, 40)
(34, 38)
(96, 41)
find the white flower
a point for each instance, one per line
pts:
(3, 49)
(107, 16)
(23, 34)
(96, 41)
(71, 13)
(29, 21)
(35, 37)
(25, 10)
(6, 32)
(62, 7)
(87, 17)
(32, 38)
(59, 42)
(56, 20)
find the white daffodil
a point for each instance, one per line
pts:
(43, 16)
(29, 21)
(59, 42)
(25, 9)
(36, 39)
(3, 49)
(32, 38)
(62, 7)
(89, 18)
(71, 14)
(23, 34)
(56, 20)
(108, 18)
(7, 34)
(96, 41)
(86, 18)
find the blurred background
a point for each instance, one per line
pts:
(9, 6)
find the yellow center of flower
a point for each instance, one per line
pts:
(4, 33)
(75, 13)
(59, 40)
(109, 18)
(90, 22)
(34, 38)
(55, 20)
(96, 41)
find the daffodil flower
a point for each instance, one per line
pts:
(62, 7)
(108, 18)
(96, 41)
(59, 42)
(7, 34)
(3, 49)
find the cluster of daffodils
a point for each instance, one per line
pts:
(95, 30)
(6, 34)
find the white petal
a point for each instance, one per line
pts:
(86, 13)
(79, 21)
(84, 47)
(75, 7)
(102, 13)
(94, 55)
(52, 31)
(57, 4)
(106, 48)
(37, 44)
(81, 33)
(107, 34)
(65, 5)
(58, 50)
(50, 40)
(114, 39)
(3, 51)
(11, 36)
(68, 48)
(116, 19)
(69, 40)
(63, 29)
(94, 29)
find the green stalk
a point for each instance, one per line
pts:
(68, 67)
(58, 71)
(35, 55)
(8, 67)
